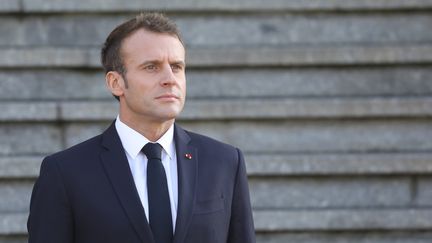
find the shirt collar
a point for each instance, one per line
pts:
(133, 141)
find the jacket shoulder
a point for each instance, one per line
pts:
(203, 140)
(84, 149)
(214, 151)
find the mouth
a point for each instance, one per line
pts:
(167, 97)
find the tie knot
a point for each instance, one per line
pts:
(152, 151)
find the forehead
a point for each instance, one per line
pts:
(143, 44)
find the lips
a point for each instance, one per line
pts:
(167, 96)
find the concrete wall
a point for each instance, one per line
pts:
(330, 100)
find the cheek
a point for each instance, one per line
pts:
(139, 93)
(182, 84)
(183, 90)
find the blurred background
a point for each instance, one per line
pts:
(331, 101)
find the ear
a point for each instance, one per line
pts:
(115, 83)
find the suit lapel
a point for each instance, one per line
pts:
(117, 168)
(187, 172)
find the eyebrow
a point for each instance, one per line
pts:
(178, 62)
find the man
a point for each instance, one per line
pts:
(145, 179)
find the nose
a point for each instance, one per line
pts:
(168, 77)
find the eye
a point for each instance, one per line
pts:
(176, 67)
(150, 67)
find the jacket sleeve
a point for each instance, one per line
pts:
(50, 219)
(241, 227)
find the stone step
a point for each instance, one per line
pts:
(343, 191)
(300, 220)
(20, 167)
(345, 237)
(375, 181)
(40, 57)
(313, 237)
(228, 83)
(305, 108)
(279, 165)
(344, 220)
(292, 193)
(338, 164)
(29, 6)
(13, 223)
(233, 109)
(220, 31)
(309, 136)
(312, 56)
(252, 136)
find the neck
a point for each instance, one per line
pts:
(152, 130)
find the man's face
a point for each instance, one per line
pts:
(154, 88)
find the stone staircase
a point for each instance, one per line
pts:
(331, 101)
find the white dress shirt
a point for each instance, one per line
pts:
(133, 142)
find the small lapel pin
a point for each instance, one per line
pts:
(188, 156)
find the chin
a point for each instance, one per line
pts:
(170, 116)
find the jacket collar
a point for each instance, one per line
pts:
(187, 166)
(117, 168)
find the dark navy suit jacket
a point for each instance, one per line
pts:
(86, 194)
